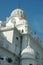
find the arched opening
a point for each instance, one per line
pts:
(1, 58)
(17, 38)
(22, 31)
(9, 60)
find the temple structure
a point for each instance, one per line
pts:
(17, 45)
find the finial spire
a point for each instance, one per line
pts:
(19, 6)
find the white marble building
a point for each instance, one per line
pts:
(17, 45)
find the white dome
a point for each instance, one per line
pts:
(18, 13)
(28, 53)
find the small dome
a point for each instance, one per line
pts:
(28, 53)
(18, 13)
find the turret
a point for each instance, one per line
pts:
(18, 19)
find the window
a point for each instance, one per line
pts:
(1, 58)
(30, 64)
(17, 38)
(22, 31)
(9, 60)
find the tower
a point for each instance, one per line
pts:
(17, 19)
(20, 22)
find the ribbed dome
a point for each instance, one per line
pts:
(28, 53)
(18, 13)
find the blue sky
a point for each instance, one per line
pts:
(33, 10)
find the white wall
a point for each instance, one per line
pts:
(14, 39)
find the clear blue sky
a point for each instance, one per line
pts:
(33, 10)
